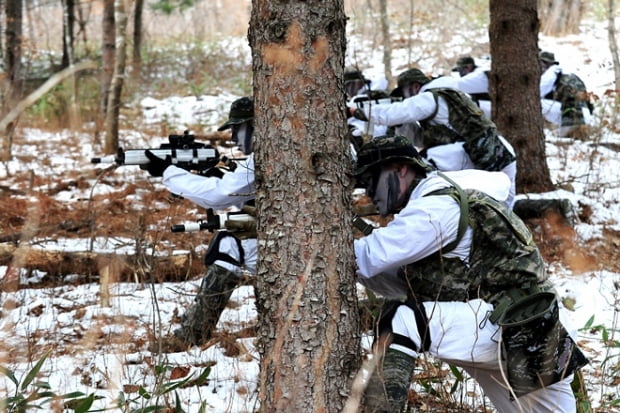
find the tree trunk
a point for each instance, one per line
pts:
(137, 38)
(116, 86)
(12, 88)
(108, 50)
(68, 24)
(2, 31)
(560, 17)
(514, 86)
(306, 295)
(613, 44)
(387, 46)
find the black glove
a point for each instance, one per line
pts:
(214, 172)
(359, 114)
(156, 166)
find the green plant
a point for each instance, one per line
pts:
(31, 394)
(55, 107)
(610, 363)
(150, 401)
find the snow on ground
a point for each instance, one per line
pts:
(114, 356)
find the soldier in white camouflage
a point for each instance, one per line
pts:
(565, 99)
(464, 282)
(230, 252)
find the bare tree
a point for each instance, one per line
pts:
(13, 83)
(560, 17)
(306, 295)
(68, 24)
(387, 45)
(514, 86)
(108, 51)
(116, 85)
(136, 62)
(613, 43)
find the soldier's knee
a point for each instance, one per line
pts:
(406, 323)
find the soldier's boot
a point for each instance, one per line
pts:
(201, 318)
(388, 386)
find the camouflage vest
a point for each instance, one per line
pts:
(470, 125)
(571, 92)
(502, 257)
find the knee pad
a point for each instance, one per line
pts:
(388, 313)
(214, 252)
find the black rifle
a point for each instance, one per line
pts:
(182, 150)
(213, 222)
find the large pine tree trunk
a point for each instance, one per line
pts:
(306, 295)
(515, 88)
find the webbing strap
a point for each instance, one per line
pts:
(464, 218)
(214, 254)
(362, 225)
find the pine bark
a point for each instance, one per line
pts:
(515, 89)
(306, 295)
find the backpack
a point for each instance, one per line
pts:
(469, 124)
(571, 92)
(569, 87)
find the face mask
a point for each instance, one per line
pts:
(354, 87)
(242, 136)
(408, 91)
(386, 194)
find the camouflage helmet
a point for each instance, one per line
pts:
(241, 110)
(388, 148)
(463, 61)
(352, 73)
(409, 77)
(547, 57)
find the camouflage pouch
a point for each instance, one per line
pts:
(535, 346)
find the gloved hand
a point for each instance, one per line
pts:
(214, 172)
(242, 229)
(359, 114)
(249, 209)
(156, 165)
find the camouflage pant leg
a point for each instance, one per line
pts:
(201, 318)
(388, 385)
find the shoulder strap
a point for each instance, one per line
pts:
(457, 193)
(434, 93)
(558, 76)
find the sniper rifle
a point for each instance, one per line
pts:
(182, 150)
